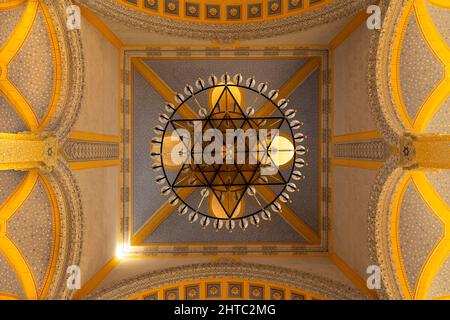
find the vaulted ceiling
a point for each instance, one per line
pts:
(77, 108)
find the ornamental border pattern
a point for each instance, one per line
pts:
(72, 75)
(61, 179)
(380, 99)
(225, 32)
(392, 129)
(81, 150)
(379, 217)
(71, 227)
(254, 272)
(376, 150)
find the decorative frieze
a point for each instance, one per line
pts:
(376, 150)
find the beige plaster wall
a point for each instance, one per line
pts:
(132, 267)
(100, 107)
(100, 199)
(351, 102)
(318, 265)
(351, 193)
(320, 35)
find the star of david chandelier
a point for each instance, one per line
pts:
(229, 153)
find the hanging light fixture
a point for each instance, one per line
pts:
(226, 177)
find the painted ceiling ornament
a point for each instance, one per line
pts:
(228, 153)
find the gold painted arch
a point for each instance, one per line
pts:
(441, 250)
(436, 43)
(11, 251)
(10, 50)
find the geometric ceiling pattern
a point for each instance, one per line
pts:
(224, 289)
(29, 234)
(420, 217)
(427, 110)
(29, 216)
(34, 224)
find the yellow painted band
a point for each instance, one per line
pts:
(20, 266)
(157, 218)
(57, 65)
(11, 4)
(348, 29)
(290, 217)
(160, 86)
(222, 14)
(440, 3)
(56, 232)
(361, 164)
(224, 292)
(92, 283)
(20, 104)
(440, 48)
(442, 250)
(7, 54)
(17, 38)
(7, 247)
(358, 136)
(395, 236)
(291, 85)
(101, 27)
(7, 296)
(442, 298)
(430, 33)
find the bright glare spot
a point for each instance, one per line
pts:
(119, 251)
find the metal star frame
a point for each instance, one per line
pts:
(241, 180)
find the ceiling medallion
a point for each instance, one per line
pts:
(233, 160)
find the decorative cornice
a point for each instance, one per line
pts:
(380, 98)
(376, 150)
(380, 210)
(225, 31)
(227, 269)
(397, 134)
(71, 228)
(27, 150)
(72, 75)
(80, 150)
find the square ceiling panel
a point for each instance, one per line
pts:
(150, 78)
